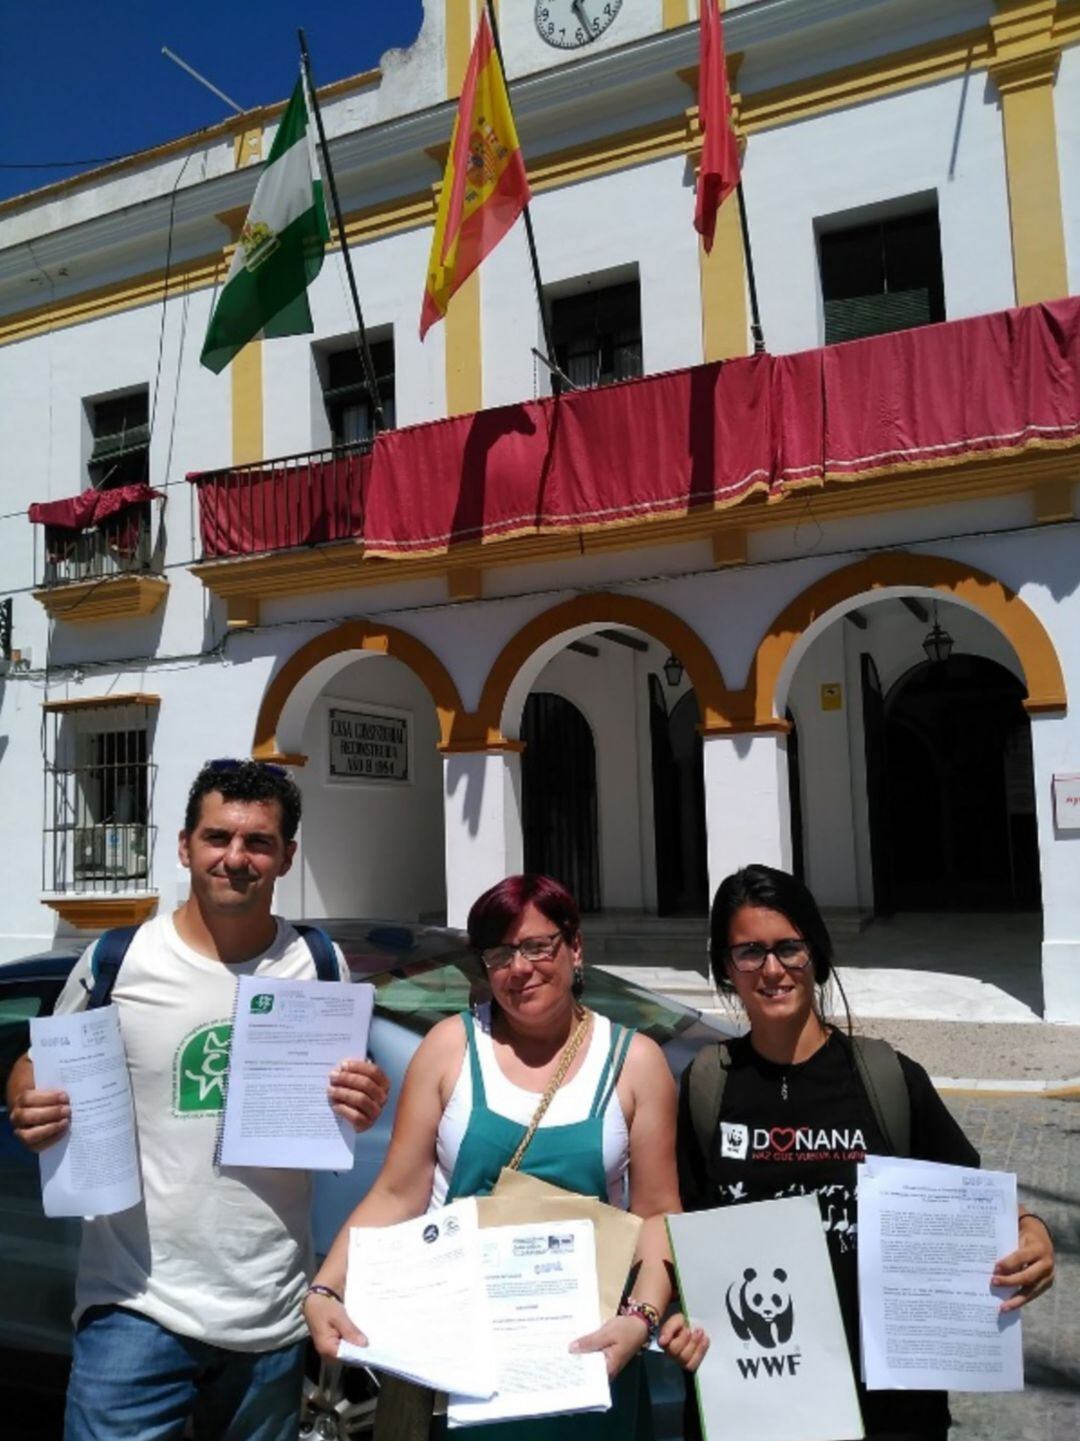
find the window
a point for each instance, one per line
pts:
(348, 406)
(120, 440)
(597, 334)
(99, 831)
(881, 276)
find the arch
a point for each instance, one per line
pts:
(511, 670)
(901, 572)
(367, 639)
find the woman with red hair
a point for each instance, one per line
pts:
(536, 1079)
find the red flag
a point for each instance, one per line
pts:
(485, 187)
(719, 172)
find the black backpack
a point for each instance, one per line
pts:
(112, 946)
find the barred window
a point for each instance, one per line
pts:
(99, 779)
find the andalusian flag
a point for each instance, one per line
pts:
(280, 250)
(485, 187)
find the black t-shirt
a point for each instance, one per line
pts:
(796, 1129)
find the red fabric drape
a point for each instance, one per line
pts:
(92, 507)
(246, 512)
(704, 437)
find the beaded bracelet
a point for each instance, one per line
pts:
(644, 1312)
(324, 1291)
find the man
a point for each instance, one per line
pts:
(188, 1305)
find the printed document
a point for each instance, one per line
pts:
(542, 1293)
(758, 1278)
(416, 1291)
(94, 1169)
(929, 1236)
(287, 1038)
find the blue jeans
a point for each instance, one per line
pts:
(131, 1380)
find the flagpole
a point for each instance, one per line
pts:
(545, 320)
(365, 352)
(756, 332)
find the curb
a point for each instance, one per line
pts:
(1065, 1089)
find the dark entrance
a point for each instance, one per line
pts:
(682, 876)
(953, 816)
(558, 796)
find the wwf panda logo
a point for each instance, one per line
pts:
(761, 1310)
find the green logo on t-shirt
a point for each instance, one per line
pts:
(202, 1064)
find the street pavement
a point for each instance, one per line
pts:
(1039, 1139)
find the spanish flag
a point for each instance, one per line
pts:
(485, 187)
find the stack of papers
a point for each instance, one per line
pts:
(929, 1236)
(487, 1316)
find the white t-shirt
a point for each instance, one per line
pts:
(570, 1103)
(221, 1255)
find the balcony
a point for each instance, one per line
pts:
(963, 410)
(273, 515)
(100, 555)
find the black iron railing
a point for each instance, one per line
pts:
(123, 544)
(280, 504)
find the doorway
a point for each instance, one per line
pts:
(951, 789)
(558, 796)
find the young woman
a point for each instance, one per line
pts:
(794, 1072)
(466, 1104)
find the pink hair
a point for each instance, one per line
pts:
(499, 908)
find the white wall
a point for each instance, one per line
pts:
(371, 848)
(945, 138)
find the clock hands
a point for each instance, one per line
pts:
(578, 7)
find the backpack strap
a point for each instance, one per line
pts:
(708, 1077)
(109, 951)
(322, 952)
(882, 1077)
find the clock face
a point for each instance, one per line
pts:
(570, 24)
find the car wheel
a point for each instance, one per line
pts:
(339, 1403)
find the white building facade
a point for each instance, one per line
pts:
(638, 706)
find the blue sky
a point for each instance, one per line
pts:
(86, 80)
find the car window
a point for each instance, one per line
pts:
(419, 995)
(20, 1002)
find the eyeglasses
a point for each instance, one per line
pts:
(228, 763)
(793, 954)
(533, 949)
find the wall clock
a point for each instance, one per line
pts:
(570, 24)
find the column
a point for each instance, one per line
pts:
(482, 819)
(747, 810)
(1024, 67)
(1055, 746)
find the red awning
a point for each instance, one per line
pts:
(704, 437)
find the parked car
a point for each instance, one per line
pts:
(420, 975)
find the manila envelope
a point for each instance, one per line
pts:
(520, 1198)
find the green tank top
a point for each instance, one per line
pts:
(571, 1156)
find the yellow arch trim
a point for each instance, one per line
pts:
(1001, 606)
(485, 728)
(355, 635)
